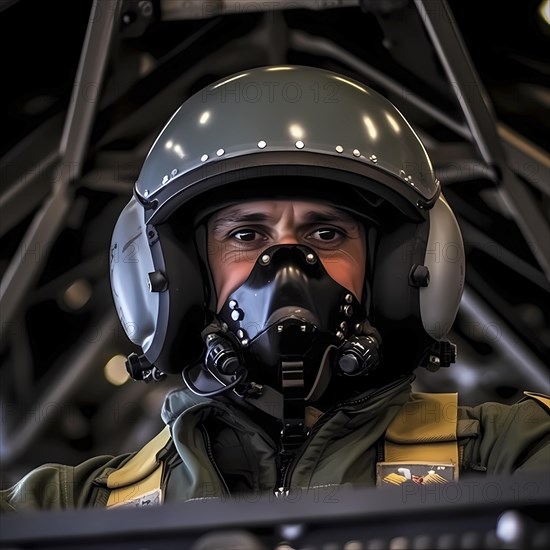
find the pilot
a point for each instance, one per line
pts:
(275, 255)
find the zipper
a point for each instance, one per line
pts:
(288, 463)
(285, 459)
(344, 404)
(210, 454)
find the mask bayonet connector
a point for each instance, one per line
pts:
(220, 355)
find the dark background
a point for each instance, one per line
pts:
(56, 404)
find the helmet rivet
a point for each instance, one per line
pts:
(299, 144)
(165, 179)
(339, 334)
(356, 153)
(146, 192)
(310, 258)
(233, 304)
(174, 172)
(240, 333)
(220, 152)
(339, 149)
(261, 144)
(373, 158)
(279, 328)
(303, 328)
(402, 174)
(265, 259)
(348, 298)
(244, 342)
(204, 157)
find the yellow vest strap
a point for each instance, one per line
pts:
(145, 492)
(143, 463)
(138, 482)
(544, 400)
(424, 430)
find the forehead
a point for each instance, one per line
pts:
(301, 211)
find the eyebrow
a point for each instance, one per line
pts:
(243, 216)
(333, 215)
(238, 216)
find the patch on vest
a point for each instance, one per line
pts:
(397, 473)
(152, 498)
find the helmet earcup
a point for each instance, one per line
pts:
(157, 289)
(445, 260)
(131, 261)
(412, 314)
(395, 308)
(181, 343)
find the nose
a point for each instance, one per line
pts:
(289, 238)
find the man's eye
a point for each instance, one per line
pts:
(247, 235)
(326, 234)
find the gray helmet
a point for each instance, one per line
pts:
(260, 128)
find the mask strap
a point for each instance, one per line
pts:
(201, 243)
(294, 405)
(371, 237)
(322, 379)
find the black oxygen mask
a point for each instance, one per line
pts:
(287, 317)
(288, 335)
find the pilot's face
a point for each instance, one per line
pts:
(238, 234)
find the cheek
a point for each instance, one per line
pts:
(347, 268)
(232, 280)
(229, 273)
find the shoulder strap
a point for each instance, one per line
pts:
(543, 399)
(424, 430)
(138, 481)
